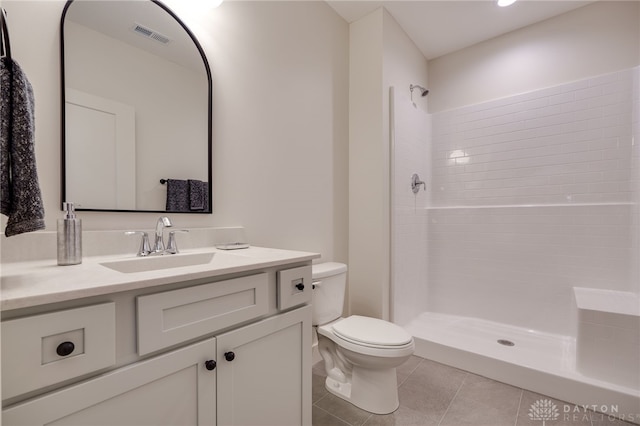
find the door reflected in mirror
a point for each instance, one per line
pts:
(136, 109)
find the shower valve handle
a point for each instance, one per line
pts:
(416, 182)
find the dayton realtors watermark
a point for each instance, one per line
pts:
(545, 410)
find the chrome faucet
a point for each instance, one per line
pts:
(145, 248)
(172, 246)
(163, 222)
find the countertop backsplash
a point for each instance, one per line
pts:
(41, 245)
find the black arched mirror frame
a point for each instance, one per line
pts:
(198, 155)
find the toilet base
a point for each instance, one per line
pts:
(341, 390)
(375, 391)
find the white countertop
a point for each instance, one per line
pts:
(27, 284)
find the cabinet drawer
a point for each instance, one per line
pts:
(171, 389)
(168, 318)
(294, 287)
(45, 349)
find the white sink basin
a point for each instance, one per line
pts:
(154, 263)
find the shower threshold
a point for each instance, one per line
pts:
(536, 361)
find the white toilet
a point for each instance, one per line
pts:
(360, 353)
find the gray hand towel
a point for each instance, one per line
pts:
(177, 195)
(20, 196)
(197, 194)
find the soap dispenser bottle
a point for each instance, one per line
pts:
(69, 237)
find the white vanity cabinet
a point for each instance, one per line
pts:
(264, 372)
(220, 351)
(170, 389)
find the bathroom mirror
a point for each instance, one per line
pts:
(136, 109)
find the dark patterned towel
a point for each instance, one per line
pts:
(197, 194)
(20, 196)
(177, 195)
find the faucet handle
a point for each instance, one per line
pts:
(145, 247)
(172, 246)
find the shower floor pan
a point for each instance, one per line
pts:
(540, 362)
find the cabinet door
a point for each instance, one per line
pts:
(171, 389)
(268, 382)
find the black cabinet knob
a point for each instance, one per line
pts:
(65, 348)
(300, 286)
(210, 364)
(229, 356)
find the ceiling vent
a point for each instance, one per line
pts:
(149, 33)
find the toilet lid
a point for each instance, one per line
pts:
(371, 331)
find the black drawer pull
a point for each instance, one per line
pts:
(65, 348)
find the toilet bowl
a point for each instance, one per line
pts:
(360, 354)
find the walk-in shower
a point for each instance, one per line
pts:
(520, 260)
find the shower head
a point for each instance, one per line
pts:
(423, 92)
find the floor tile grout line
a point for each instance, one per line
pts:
(452, 399)
(315, 405)
(515, 423)
(591, 417)
(320, 399)
(366, 420)
(412, 371)
(332, 415)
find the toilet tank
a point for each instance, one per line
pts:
(330, 281)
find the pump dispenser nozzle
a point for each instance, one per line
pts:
(70, 210)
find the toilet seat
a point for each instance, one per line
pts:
(358, 346)
(371, 332)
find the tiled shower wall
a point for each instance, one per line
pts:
(530, 196)
(518, 265)
(565, 144)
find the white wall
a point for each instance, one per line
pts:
(280, 73)
(596, 39)
(382, 55)
(635, 173)
(411, 143)
(281, 95)
(404, 65)
(368, 225)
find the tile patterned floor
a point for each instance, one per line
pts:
(433, 394)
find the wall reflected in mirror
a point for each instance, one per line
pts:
(137, 106)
